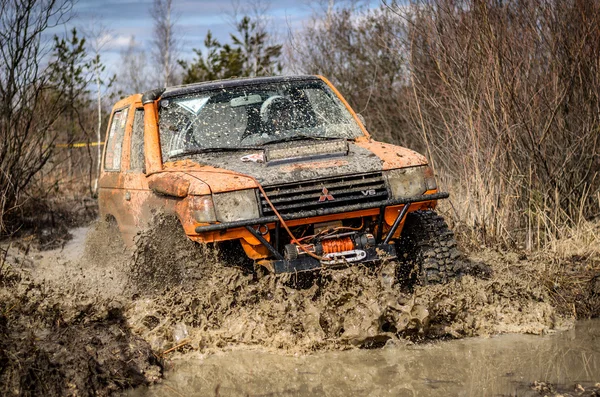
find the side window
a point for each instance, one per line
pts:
(136, 162)
(114, 143)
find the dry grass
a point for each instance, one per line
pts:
(581, 239)
(505, 108)
(486, 215)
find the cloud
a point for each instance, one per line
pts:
(118, 42)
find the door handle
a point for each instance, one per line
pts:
(127, 196)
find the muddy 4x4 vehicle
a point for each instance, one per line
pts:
(281, 164)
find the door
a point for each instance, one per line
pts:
(135, 183)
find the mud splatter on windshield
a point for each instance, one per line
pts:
(253, 115)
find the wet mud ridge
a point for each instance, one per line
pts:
(353, 307)
(540, 388)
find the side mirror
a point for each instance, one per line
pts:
(362, 119)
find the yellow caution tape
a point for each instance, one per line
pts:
(68, 145)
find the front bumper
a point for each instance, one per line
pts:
(380, 250)
(324, 211)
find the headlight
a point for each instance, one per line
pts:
(236, 206)
(202, 209)
(408, 182)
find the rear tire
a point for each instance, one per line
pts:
(427, 250)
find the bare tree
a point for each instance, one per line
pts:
(361, 51)
(502, 96)
(98, 37)
(256, 38)
(133, 76)
(166, 41)
(508, 95)
(27, 109)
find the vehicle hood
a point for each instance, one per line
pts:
(225, 171)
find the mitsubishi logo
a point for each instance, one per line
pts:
(325, 196)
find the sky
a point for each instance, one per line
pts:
(124, 18)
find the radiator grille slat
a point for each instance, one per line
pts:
(309, 195)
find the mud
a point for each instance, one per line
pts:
(199, 304)
(61, 343)
(45, 223)
(341, 309)
(163, 258)
(92, 262)
(180, 298)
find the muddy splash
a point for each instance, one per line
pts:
(197, 303)
(564, 364)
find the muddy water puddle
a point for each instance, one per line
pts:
(505, 365)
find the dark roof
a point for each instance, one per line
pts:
(220, 84)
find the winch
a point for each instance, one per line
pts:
(347, 247)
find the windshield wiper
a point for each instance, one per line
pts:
(212, 150)
(301, 137)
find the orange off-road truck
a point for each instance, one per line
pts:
(282, 165)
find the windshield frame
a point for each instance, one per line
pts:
(348, 128)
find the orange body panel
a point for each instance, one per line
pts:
(218, 179)
(391, 156)
(151, 139)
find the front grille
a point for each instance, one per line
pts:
(341, 191)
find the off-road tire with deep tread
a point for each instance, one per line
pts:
(427, 250)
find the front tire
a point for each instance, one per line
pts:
(428, 250)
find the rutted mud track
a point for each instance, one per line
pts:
(173, 294)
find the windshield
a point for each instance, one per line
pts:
(238, 118)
